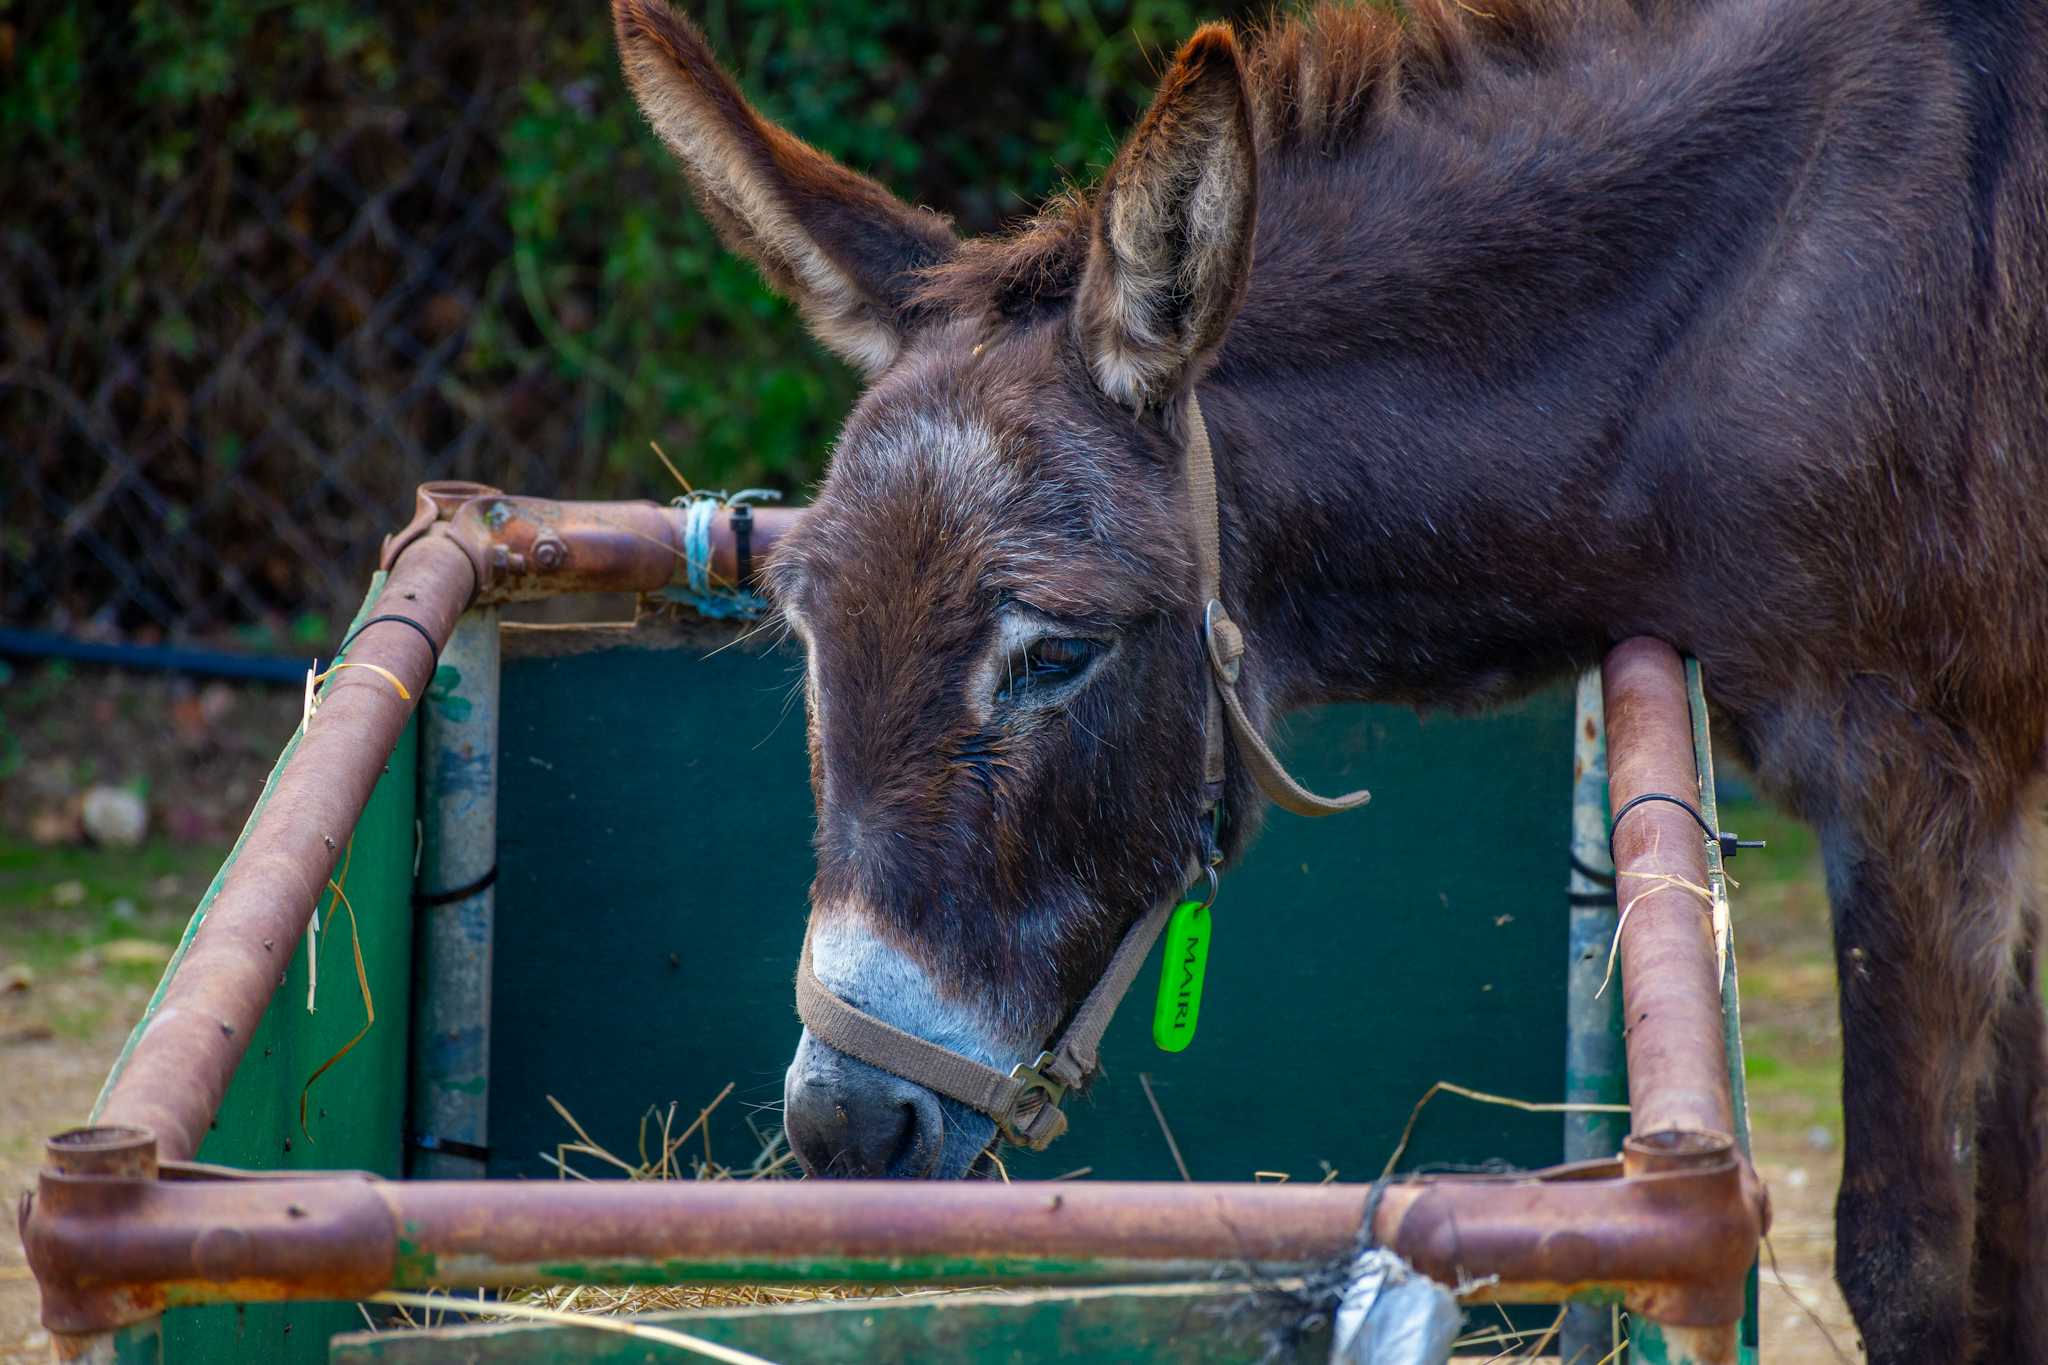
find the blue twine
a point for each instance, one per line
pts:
(720, 602)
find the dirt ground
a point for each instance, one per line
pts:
(1792, 1049)
(84, 932)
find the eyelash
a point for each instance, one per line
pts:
(1047, 666)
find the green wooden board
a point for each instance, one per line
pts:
(1162, 1325)
(654, 838)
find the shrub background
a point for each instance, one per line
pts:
(265, 266)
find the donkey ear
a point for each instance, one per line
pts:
(837, 243)
(1172, 236)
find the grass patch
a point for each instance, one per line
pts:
(80, 1025)
(29, 875)
(56, 903)
(1791, 853)
(1792, 1046)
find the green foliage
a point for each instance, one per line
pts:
(177, 61)
(978, 112)
(288, 258)
(123, 894)
(614, 282)
(44, 79)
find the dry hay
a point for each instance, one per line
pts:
(666, 1152)
(662, 1155)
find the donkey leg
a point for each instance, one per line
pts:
(2011, 1271)
(1922, 955)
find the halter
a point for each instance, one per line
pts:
(1025, 1103)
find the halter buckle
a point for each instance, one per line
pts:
(1036, 1080)
(1223, 641)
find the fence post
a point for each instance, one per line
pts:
(1593, 1068)
(456, 906)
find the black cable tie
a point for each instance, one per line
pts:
(427, 900)
(1367, 1238)
(1592, 873)
(742, 520)
(427, 1142)
(1589, 900)
(1729, 844)
(433, 650)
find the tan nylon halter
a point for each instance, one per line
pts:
(1026, 1103)
(1224, 643)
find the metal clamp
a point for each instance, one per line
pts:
(1223, 641)
(1036, 1081)
(1725, 840)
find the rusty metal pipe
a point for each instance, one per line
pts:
(870, 1228)
(1662, 1231)
(1671, 992)
(1681, 1104)
(466, 543)
(173, 1079)
(1669, 1241)
(527, 548)
(1676, 1244)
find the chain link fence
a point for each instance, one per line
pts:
(230, 351)
(267, 264)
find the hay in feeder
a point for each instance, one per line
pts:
(667, 1152)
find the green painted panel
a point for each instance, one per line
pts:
(356, 1113)
(212, 891)
(1177, 1324)
(654, 842)
(140, 1343)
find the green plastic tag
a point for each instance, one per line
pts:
(1180, 977)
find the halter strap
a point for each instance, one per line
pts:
(1223, 642)
(1025, 1103)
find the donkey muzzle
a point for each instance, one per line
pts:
(850, 1120)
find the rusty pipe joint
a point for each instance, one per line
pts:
(522, 549)
(1731, 1231)
(109, 1249)
(434, 502)
(1672, 1228)
(529, 548)
(97, 1175)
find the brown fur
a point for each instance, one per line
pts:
(1717, 321)
(1320, 82)
(1170, 236)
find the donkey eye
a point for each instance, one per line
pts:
(1046, 666)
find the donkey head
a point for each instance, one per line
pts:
(994, 588)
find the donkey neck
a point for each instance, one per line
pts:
(1455, 405)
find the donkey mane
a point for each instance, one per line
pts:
(1321, 83)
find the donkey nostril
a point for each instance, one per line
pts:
(903, 1156)
(890, 1135)
(847, 1118)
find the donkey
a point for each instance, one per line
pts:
(1519, 328)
